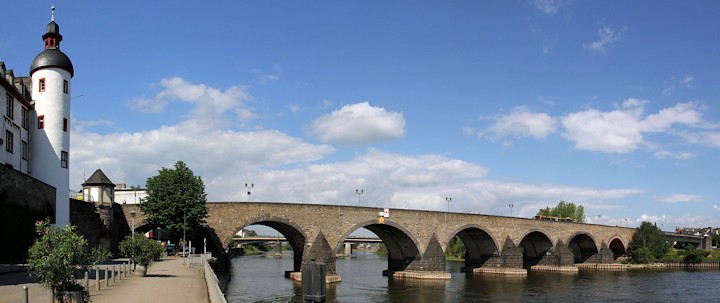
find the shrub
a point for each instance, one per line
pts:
(141, 250)
(642, 255)
(57, 254)
(672, 256)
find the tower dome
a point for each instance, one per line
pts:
(52, 56)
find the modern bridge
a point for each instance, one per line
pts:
(416, 239)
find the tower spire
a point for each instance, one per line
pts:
(52, 14)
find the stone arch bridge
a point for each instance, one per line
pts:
(416, 239)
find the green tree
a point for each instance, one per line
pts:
(565, 209)
(648, 238)
(456, 249)
(176, 199)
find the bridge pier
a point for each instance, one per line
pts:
(510, 262)
(558, 258)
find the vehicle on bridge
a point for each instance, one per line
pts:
(552, 218)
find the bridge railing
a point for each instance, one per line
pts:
(214, 293)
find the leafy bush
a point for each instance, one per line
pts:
(57, 254)
(672, 256)
(642, 255)
(693, 255)
(714, 255)
(141, 250)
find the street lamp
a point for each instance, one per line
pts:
(511, 207)
(249, 187)
(132, 215)
(359, 192)
(158, 234)
(184, 231)
(448, 199)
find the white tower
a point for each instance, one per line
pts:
(51, 72)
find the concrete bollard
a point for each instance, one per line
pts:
(97, 278)
(108, 274)
(25, 294)
(87, 280)
(113, 273)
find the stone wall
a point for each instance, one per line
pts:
(22, 190)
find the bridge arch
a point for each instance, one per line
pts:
(289, 229)
(535, 244)
(617, 246)
(402, 246)
(480, 245)
(583, 246)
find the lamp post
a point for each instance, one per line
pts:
(511, 207)
(184, 231)
(447, 199)
(158, 234)
(249, 187)
(359, 192)
(132, 215)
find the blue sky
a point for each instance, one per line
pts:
(609, 104)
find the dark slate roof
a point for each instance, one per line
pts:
(52, 57)
(98, 178)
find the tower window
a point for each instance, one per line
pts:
(8, 141)
(65, 86)
(63, 159)
(41, 121)
(10, 106)
(25, 151)
(41, 86)
(65, 124)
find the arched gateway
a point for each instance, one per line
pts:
(416, 239)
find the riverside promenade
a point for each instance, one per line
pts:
(167, 280)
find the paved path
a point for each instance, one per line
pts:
(167, 281)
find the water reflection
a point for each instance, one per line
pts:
(260, 279)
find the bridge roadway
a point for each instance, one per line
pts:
(416, 239)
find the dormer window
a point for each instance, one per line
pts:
(41, 85)
(41, 122)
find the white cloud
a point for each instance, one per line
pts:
(702, 138)
(607, 35)
(523, 123)
(678, 198)
(294, 108)
(688, 81)
(716, 207)
(209, 103)
(621, 130)
(358, 123)
(549, 7)
(663, 154)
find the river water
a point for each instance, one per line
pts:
(261, 279)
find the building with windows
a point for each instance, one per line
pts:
(35, 129)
